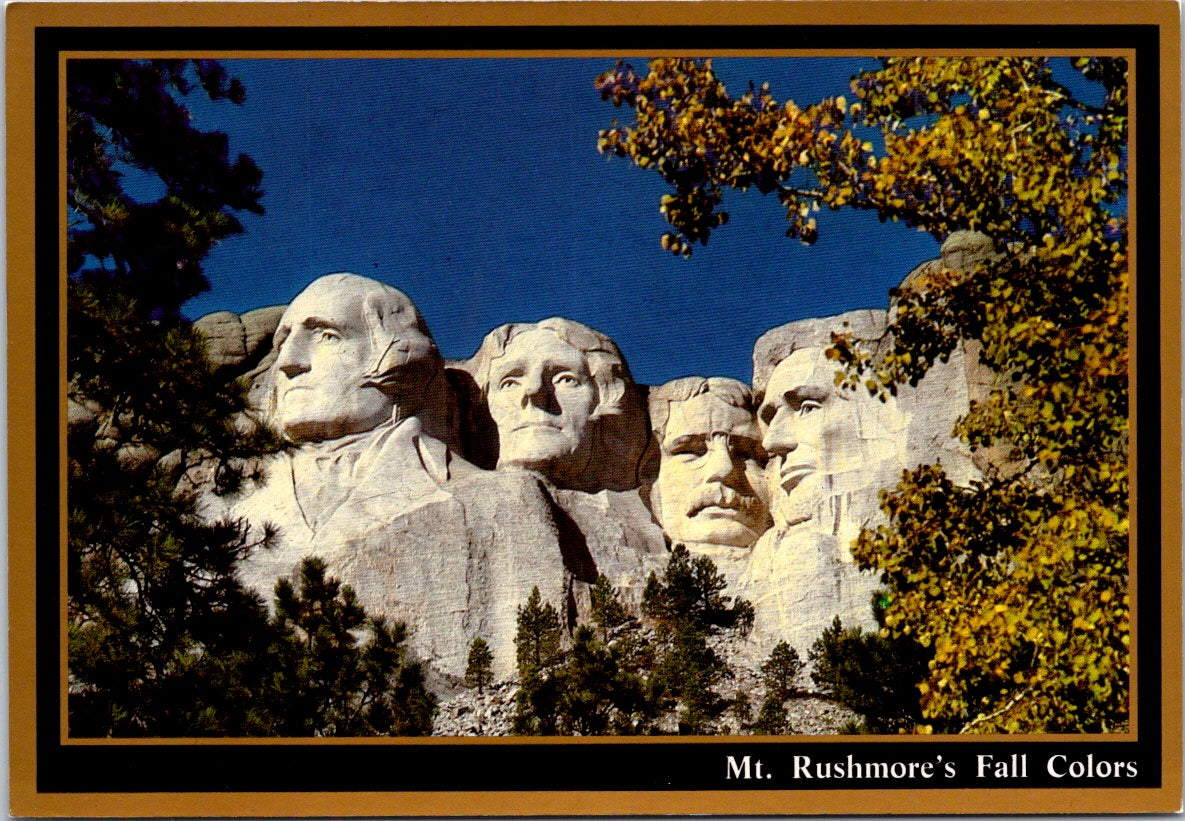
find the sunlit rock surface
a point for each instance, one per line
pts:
(445, 496)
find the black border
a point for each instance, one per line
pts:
(493, 766)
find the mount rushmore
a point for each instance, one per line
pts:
(445, 491)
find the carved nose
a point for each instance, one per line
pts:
(291, 369)
(779, 439)
(533, 393)
(290, 362)
(719, 461)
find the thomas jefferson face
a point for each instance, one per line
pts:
(710, 480)
(324, 352)
(541, 396)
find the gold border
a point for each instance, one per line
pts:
(597, 12)
(66, 740)
(754, 802)
(1170, 404)
(21, 410)
(22, 20)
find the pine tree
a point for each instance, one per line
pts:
(537, 639)
(778, 674)
(122, 113)
(328, 685)
(594, 695)
(593, 687)
(607, 609)
(742, 710)
(772, 719)
(741, 617)
(478, 670)
(874, 676)
(161, 638)
(690, 592)
(688, 674)
(780, 670)
(686, 605)
(537, 646)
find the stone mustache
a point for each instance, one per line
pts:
(444, 492)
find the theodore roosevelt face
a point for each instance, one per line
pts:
(542, 397)
(710, 485)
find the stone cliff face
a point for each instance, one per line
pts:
(845, 447)
(453, 562)
(448, 513)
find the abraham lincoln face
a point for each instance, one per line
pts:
(816, 434)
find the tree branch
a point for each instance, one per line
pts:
(1008, 705)
(802, 192)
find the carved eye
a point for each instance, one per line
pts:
(809, 406)
(766, 413)
(691, 449)
(328, 335)
(566, 380)
(744, 448)
(508, 382)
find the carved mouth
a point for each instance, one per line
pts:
(726, 505)
(536, 425)
(791, 475)
(721, 511)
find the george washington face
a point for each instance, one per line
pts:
(324, 351)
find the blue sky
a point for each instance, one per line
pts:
(475, 186)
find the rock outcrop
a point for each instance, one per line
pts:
(610, 533)
(444, 495)
(831, 451)
(373, 484)
(555, 399)
(563, 404)
(710, 494)
(239, 341)
(451, 553)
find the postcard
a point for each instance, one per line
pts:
(447, 409)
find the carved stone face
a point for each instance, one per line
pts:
(324, 351)
(541, 396)
(710, 485)
(811, 431)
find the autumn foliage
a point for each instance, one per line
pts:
(1019, 582)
